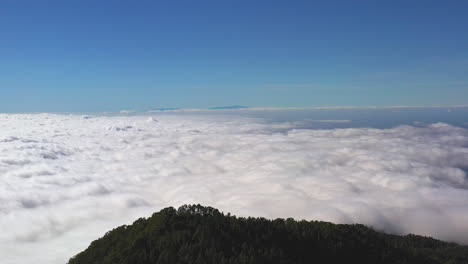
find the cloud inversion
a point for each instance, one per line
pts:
(67, 179)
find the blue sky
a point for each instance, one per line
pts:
(82, 55)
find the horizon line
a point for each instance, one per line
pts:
(244, 108)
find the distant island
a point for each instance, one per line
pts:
(228, 107)
(198, 234)
(164, 109)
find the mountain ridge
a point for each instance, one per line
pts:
(198, 234)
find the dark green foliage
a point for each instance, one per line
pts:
(197, 234)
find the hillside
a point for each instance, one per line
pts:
(197, 234)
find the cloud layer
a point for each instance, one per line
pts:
(67, 179)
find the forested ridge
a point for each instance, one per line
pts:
(198, 234)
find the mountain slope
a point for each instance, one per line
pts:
(197, 234)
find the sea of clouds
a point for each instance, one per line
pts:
(67, 179)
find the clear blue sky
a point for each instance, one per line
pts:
(102, 55)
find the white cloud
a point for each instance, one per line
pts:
(67, 179)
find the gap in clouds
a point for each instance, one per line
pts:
(67, 179)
